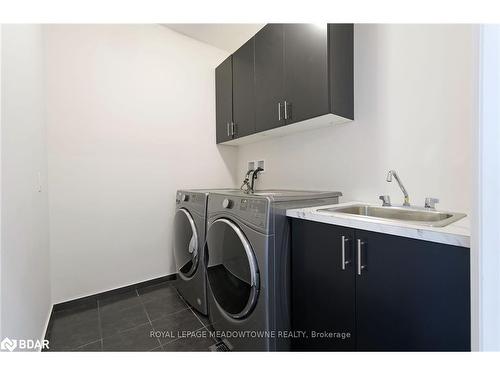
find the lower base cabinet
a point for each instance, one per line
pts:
(359, 290)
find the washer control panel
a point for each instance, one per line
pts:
(227, 203)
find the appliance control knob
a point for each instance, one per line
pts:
(227, 203)
(185, 197)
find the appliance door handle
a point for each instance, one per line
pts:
(344, 261)
(360, 266)
(279, 111)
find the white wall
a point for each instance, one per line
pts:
(488, 188)
(25, 273)
(131, 118)
(414, 110)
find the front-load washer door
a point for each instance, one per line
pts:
(186, 250)
(232, 270)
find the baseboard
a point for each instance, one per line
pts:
(78, 301)
(47, 324)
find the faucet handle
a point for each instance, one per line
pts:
(386, 200)
(431, 202)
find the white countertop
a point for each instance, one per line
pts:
(457, 233)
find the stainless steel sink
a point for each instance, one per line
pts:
(406, 214)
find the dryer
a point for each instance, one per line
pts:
(189, 238)
(247, 261)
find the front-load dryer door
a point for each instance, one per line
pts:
(186, 250)
(232, 270)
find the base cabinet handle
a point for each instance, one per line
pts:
(345, 262)
(361, 266)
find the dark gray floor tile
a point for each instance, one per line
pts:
(176, 325)
(204, 319)
(119, 301)
(163, 290)
(210, 328)
(192, 344)
(135, 339)
(73, 328)
(95, 346)
(160, 307)
(114, 320)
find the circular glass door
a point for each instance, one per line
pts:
(185, 244)
(232, 270)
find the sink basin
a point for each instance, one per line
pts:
(413, 215)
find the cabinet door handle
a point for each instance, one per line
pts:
(360, 266)
(344, 261)
(233, 128)
(228, 131)
(279, 111)
(286, 110)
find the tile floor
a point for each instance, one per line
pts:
(124, 321)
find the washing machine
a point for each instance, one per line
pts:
(247, 260)
(189, 238)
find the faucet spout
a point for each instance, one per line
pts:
(392, 173)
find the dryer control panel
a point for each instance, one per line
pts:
(195, 201)
(251, 210)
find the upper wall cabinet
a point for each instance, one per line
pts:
(244, 90)
(305, 72)
(224, 100)
(289, 77)
(269, 78)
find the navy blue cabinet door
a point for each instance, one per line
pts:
(322, 288)
(411, 295)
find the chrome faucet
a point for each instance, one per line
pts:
(386, 200)
(392, 173)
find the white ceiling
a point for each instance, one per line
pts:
(226, 36)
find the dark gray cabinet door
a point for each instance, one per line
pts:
(322, 289)
(306, 71)
(341, 69)
(269, 79)
(244, 90)
(224, 100)
(412, 295)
